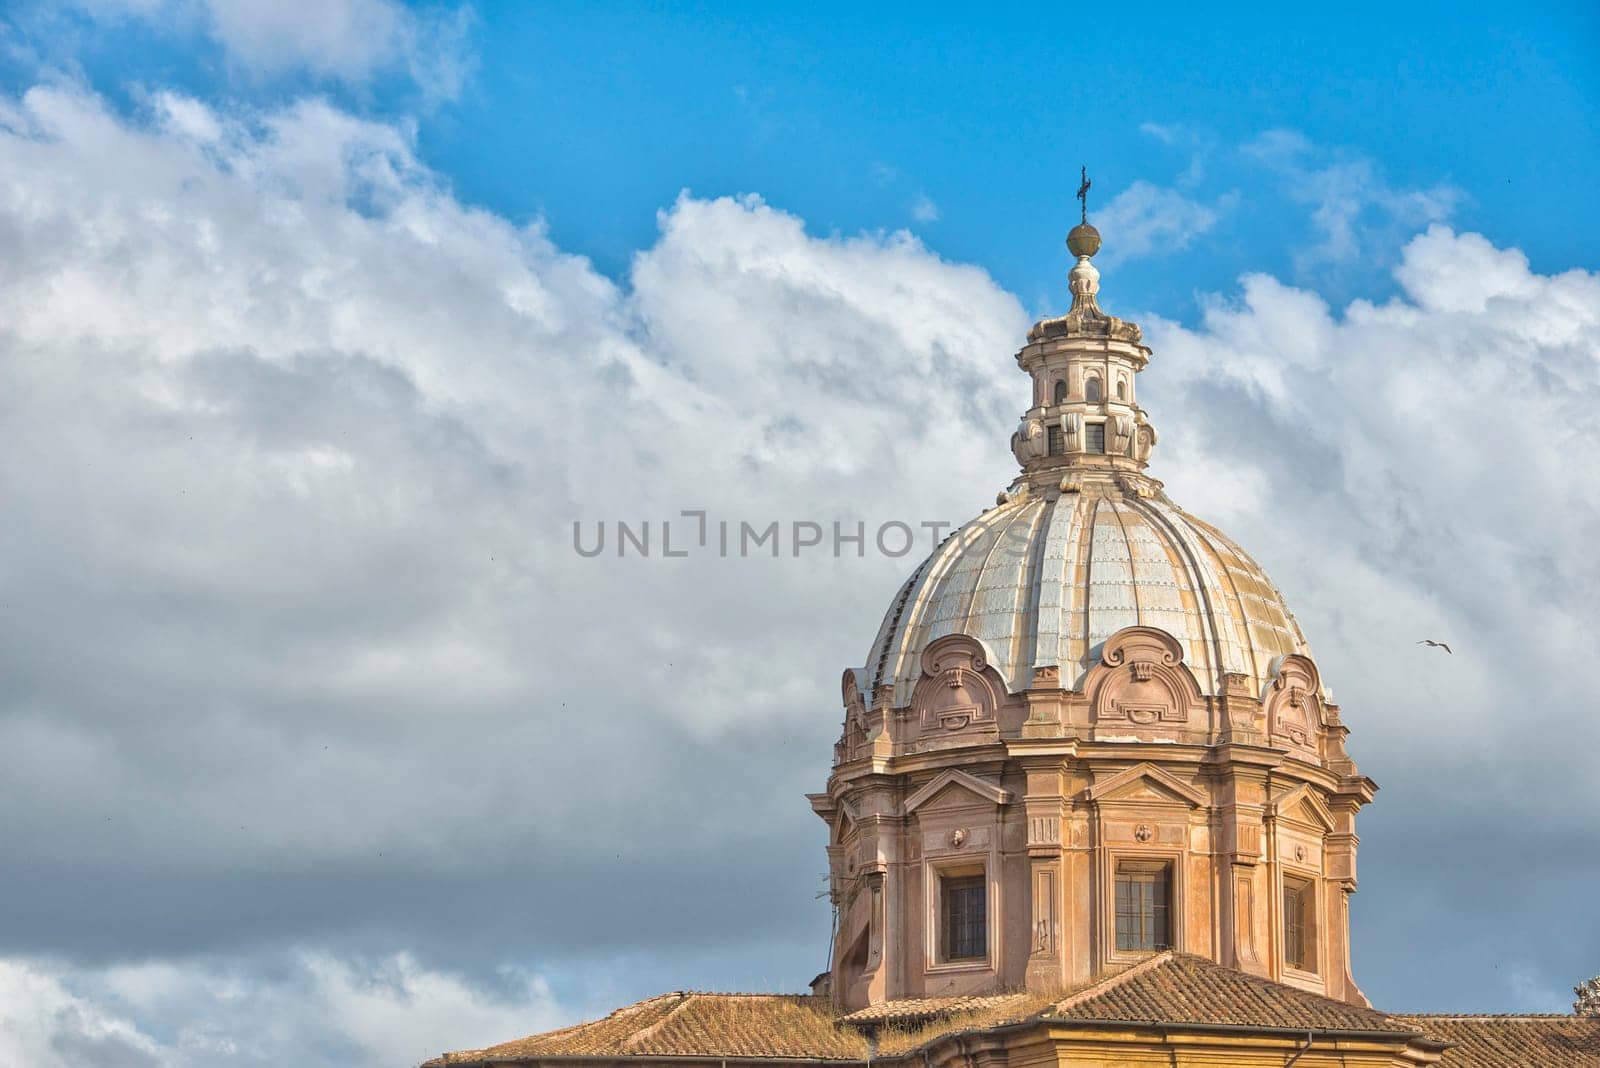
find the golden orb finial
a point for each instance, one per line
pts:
(1084, 240)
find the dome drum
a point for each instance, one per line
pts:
(1138, 689)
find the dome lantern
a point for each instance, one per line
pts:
(1085, 425)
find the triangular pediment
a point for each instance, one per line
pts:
(844, 821)
(1302, 805)
(958, 780)
(1145, 782)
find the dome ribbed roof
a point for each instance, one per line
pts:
(1044, 582)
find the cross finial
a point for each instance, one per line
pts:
(1083, 194)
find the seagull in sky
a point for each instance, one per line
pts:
(1436, 645)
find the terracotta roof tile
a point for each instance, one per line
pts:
(905, 1033)
(1170, 988)
(1177, 988)
(1497, 1041)
(905, 1009)
(689, 1024)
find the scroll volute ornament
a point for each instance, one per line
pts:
(1144, 438)
(1293, 705)
(956, 691)
(1072, 431)
(1120, 440)
(1141, 681)
(1029, 442)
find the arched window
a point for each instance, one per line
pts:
(1122, 389)
(1061, 391)
(1091, 390)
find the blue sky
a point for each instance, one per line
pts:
(319, 327)
(847, 115)
(594, 117)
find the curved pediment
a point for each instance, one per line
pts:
(1142, 684)
(1293, 704)
(959, 690)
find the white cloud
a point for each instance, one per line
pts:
(1198, 144)
(43, 1024)
(349, 41)
(1357, 213)
(924, 210)
(306, 1008)
(1166, 134)
(1453, 432)
(1147, 219)
(349, 423)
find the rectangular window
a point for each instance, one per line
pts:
(1299, 949)
(966, 920)
(1096, 437)
(1144, 891)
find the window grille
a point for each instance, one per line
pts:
(1297, 944)
(1055, 440)
(1061, 391)
(1142, 903)
(966, 921)
(1095, 437)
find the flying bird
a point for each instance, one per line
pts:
(1436, 645)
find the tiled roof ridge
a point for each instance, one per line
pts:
(618, 1013)
(636, 1006)
(743, 994)
(1493, 1017)
(1297, 991)
(1111, 982)
(644, 1034)
(938, 1005)
(1197, 966)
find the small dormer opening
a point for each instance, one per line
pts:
(1061, 391)
(1091, 389)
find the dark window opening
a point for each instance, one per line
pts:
(1298, 948)
(1061, 391)
(966, 921)
(1144, 893)
(1091, 390)
(1095, 441)
(1122, 390)
(1055, 440)
(855, 961)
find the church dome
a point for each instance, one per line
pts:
(1043, 580)
(1089, 728)
(1084, 544)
